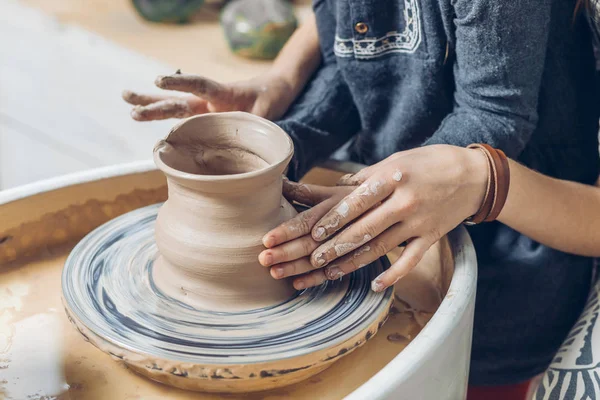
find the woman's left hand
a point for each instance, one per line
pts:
(412, 197)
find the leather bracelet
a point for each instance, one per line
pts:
(486, 204)
(502, 183)
(497, 187)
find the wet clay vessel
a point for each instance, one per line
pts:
(224, 174)
(175, 292)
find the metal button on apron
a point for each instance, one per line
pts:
(361, 28)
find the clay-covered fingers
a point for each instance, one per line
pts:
(158, 107)
(297, 267)
(310, 195)
(371, 225)
(296, 227)
(196, 85)
(370, 193)
(355, 179)
(165, 109)
(314, 278)
(361, 176)
(139, 99)
(322, 197)
(369, 252)
(288, 251)
(410, 257)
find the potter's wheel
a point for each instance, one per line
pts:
(111, 297)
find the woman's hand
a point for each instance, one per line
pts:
(290, 244)
(412, 197)
(267, 96)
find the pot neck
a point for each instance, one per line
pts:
(245, 203)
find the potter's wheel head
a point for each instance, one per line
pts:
(113, 301)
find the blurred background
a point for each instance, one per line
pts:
(64, 64)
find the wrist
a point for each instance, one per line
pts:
(288, 81)
(274, 94)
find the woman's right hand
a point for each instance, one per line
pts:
(267, 96)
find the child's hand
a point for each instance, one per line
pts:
(415, 196)
(266, 96)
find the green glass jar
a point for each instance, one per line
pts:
(258, 28)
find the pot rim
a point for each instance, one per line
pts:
(231, 115)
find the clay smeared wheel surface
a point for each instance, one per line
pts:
(111, 297)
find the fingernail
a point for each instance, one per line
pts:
(268, 241)
(334, 273)
(277, 272)
(268, 259)
(299, 285)
(136, 112)
(159, 79)
(319, 232)
(344, 179)
(320, 260)
(377, 285)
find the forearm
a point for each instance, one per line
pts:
(299, 58)
(560, 214)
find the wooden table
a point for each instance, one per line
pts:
(198, 47)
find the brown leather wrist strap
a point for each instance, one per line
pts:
(502, 182)
(497, 187)
(486, 205)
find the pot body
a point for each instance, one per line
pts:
(224, 175)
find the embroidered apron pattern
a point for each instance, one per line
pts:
(393, 42)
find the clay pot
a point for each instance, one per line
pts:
(224, 175)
